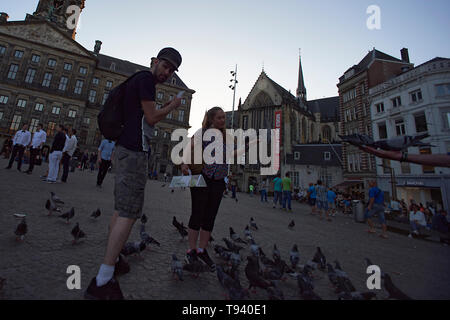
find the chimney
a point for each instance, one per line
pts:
(98, 46)
(405, 55)
(3, 17)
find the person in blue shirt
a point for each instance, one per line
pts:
(312, 195)
(376, 206)
(105, 153)
(331, 198)
(277, 191)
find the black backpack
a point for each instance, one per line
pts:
(111, 119)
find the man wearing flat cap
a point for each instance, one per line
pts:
(131, 167)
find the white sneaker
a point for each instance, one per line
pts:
(410, 235)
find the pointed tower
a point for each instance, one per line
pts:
(301, 90)
(58, 13)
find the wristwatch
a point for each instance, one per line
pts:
(404, 156)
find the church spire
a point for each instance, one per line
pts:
(301, 90)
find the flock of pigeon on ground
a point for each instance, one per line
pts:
(262, 272)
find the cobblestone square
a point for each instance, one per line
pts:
(36, 268)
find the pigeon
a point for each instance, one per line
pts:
(248, 234)
(344, 283)
(306, 286)
(146, 237)
(402, 143)
(253, 223)
(394, 292)
(21, 230)
(51, 206)
(177, 268)
(55, 198)
(332, 275)
(267, 263)
(311, 265)
(253, 274)
(276, 253)
(272, 273)
(320, 259)
(144, 219)
(254, 248)
(133, 248)
(77, 233)
(196, 267)
(182, 231)
(294, 256)
(231, 246)
(96, 214)
(235, 259)
(357, 295)
(358, 140)
(68, 215)
(231, 284)
(274, 293)
(234, 236)
(291, 225)
(222, 252)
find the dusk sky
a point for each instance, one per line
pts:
(213, 36)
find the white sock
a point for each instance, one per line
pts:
(104, 274)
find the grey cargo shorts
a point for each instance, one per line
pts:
(131, 169)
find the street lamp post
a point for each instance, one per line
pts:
(232, 86)
(393, 182)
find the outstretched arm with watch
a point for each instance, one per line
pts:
(437, 160)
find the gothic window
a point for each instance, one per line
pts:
(326, 133)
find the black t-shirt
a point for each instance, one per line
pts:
(59, 142)
(137, 132)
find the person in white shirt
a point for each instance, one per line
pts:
(416, 219)
(69, 148)
(39, 138)
(21, 140)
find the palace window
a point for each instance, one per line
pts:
(18, 54)
(13, 71)
(47, 79)
(30, 75)
(51, 62)
(35, 58)
(21, 103)
(63, 83)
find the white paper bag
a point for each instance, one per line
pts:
(188, 181)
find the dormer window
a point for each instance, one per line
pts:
(112, 67)
(174, 81)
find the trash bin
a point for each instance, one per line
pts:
(358, 210)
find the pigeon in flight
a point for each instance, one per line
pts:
(21, 230)
(402, 143)
(146, 237)
(96, 214)
(320, 259)
(134, 248)
(68, 215)
(294, 256)
(235, 237)
(51, 206)
(55, 198)
(144, 219)
(358, 140)
(177, 268)
(77, 233)
(291, 225)
(253, 224)
(394, 292)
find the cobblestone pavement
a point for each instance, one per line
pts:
(36, 268)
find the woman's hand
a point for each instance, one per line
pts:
(185, 169)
